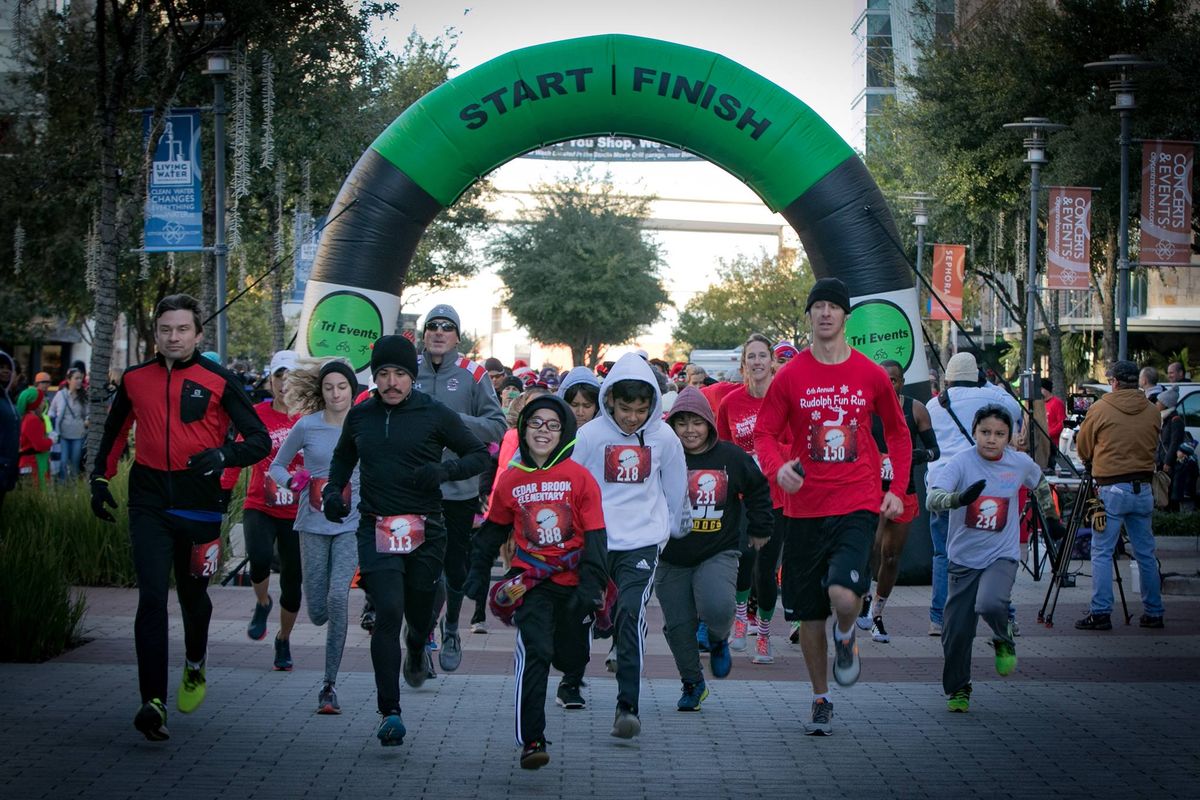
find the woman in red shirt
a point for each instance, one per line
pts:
(735, 423)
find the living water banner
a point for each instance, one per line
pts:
(173, 199)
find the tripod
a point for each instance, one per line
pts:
(1061, 564)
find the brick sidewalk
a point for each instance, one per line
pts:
(1065, 724)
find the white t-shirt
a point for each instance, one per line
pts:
(987, 529)
(965, 401)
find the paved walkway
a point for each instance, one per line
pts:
(1087, 714)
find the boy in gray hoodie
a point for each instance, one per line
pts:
(639, 464)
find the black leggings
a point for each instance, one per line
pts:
(766, 566)
(460, 521)
(262, 532)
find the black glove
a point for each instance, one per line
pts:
(476, 585)
(580, 605)
(920, 456)
(1056, 529)
(102, 497)
(970, 494)
(226, 497)
(428, 477)
(333, 504)
(207, 462)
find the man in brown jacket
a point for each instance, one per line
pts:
(1116, 441)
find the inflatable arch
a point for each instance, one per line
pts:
(692, 99)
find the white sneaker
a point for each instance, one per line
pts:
(610, 661)
(763, 654)
(935, 629)
(864, 617)
(737, 642)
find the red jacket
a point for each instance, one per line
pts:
(33, 441)
(179, 412)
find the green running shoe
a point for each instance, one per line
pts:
(191, 689)
(1006, 658)
(960, 700)
(151, 720)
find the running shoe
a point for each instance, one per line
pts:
(822, 719)
(846, 666)
(151, 720)
(391, 731)
(451, 655)
(191, 689)
(721, 660)
(935, 628)
(257, 629)
(479, 620)
(432, 644)
(864, 616)
(626, 724)
(737, 642)
(534, 755)
(367, 620)
(1150, 621)
(762, 651)
(479, 627)
(430, 673)
(1006, 658)
(568, 696)
(794, 636)
(702, 637)
(413, 667)
(693, 695)
(1016, 629)
(878, 632)
(1095, 622)
(283, 655)
(327, 702)
(960, 700)
(752, 622)
(610, 661)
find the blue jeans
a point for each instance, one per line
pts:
(69, 461)
(1123, 507)
(939, 526)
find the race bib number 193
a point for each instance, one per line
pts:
(626, 463)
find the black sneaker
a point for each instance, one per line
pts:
(257, 629)
(822, 719)
(151, 721)
(414, 670)
(569, 696)
(1148, 621)
(626, 724)
(327, 702)
(864, 616)
(846, 664)
(534, 755)
(1095, 622)
(283, 656)
(367, 620)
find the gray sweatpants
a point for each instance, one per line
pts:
(974, 593)
(328, 564)
(706, 591)
(633, 573)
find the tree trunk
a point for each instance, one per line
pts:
(578, 354)
(1058, 370)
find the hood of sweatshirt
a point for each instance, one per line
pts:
(692, 401)
(631, 366)
(12, 371)
(575, 377)
(1128, 401)
(566, 440)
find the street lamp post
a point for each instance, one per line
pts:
(218, 68)
(1122, 89)
(1035, 129)
(920, 220)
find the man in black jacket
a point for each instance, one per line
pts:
(396, 437)
(183, 405)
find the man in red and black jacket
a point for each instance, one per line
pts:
(183, 405)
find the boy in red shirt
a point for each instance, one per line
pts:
(824, 399)
(551, 505)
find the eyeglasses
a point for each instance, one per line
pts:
(439, 325)
(537, 423)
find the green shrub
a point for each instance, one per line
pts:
(1179, 523)
(39, 613)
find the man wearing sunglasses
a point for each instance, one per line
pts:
(454, 380)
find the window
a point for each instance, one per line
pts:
(1189, 409)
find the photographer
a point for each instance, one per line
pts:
(1117, 441)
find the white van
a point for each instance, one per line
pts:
(719, 364)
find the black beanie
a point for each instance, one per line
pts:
(394, 351)
(831, 290)
(340, 367)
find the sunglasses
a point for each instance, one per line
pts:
(439, 325)
(537, 423)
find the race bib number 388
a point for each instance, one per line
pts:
(626, 463)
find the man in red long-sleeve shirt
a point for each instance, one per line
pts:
(824, 399)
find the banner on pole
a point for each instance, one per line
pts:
(307, 236)
(1167, 203)
(1069, 238)
(173, 199)
(949, 264)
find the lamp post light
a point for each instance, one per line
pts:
(1035, 129)
(218, 68)
(1122, 88)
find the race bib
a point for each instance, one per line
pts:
(988, 514)
(400, 534)
(707, 491)
(547, 524)
(316, 490)
(833, 444)
(276, 496)
(205, 559)
(885, 469)
(626, 463)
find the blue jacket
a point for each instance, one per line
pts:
(10, 431)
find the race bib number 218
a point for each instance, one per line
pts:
(626, 463)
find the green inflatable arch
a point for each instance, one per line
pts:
(612, 84)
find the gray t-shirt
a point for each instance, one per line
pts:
(316, 438)
(987, 529)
